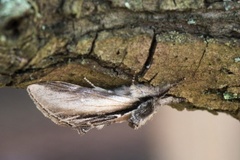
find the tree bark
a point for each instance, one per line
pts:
(110, 41)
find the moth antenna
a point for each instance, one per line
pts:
(89, 82)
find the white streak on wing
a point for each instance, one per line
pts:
(63, 102)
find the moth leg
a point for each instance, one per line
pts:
(89, 82)
(96, 87)
(142, 114)
(97, 122)
(84, 129)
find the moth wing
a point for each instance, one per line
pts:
(83, 125)
(69, 99)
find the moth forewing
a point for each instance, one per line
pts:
(79, 100)
(85, 108)
(79, 107)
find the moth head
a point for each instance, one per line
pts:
(140, 90)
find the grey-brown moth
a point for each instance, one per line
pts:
(85, 108)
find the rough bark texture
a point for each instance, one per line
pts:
(110, 41)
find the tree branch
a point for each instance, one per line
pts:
(109, 42)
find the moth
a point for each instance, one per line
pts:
(85, 108)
